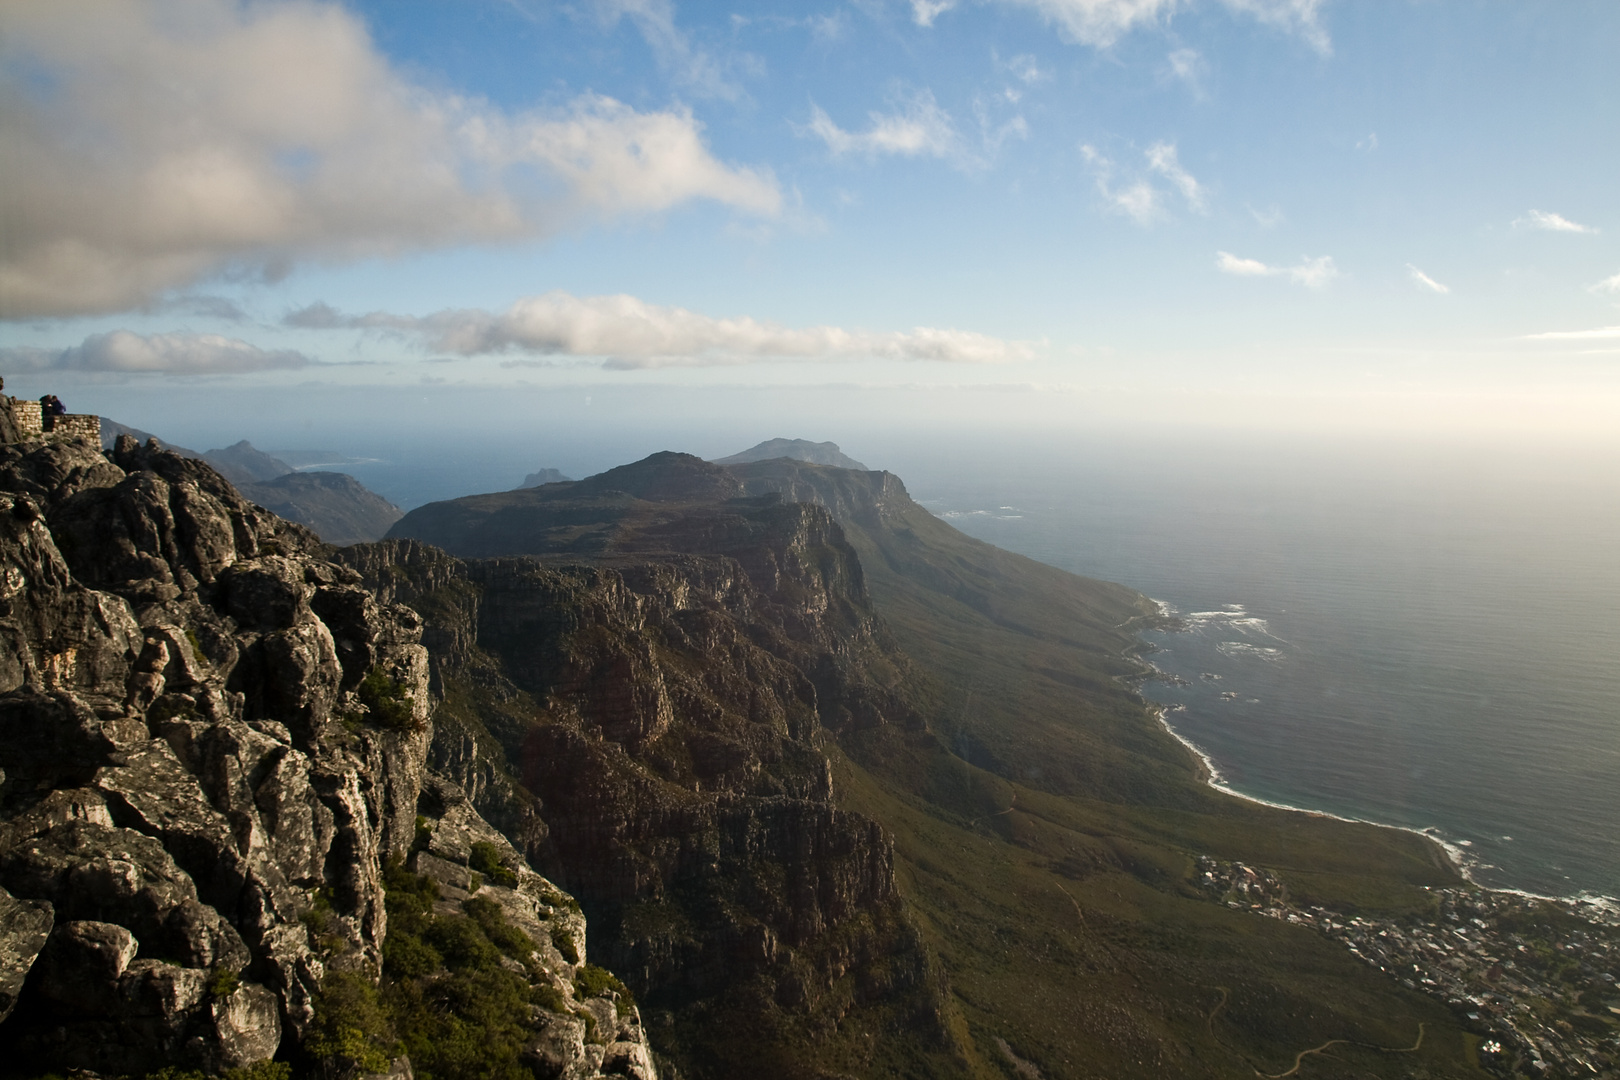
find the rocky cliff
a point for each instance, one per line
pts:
(221, 840)
(661, 679)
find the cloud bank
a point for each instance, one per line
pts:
(146, 151)
(162, 354)
(631, 333)
(1312, 273)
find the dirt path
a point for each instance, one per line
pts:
(1303, 1054)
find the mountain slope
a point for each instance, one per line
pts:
(1045, 828)
(335, 506)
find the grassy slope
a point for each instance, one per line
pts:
(1045, 834)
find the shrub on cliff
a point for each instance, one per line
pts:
(486, 860)
(352, 1033)
(462, 1011)
(387, 704)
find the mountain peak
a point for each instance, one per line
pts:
(815, 453)
(667, 476)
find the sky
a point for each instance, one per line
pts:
(298, 219)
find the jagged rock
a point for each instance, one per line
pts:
(25, 925)
(196, 801)
(84, 962)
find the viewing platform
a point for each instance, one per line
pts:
(30, 421)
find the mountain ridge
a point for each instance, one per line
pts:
(822, 453)
(1008, 732)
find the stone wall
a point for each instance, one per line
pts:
(26, 415)
(28, 422)
(74, 426)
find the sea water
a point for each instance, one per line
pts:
(1423, 636)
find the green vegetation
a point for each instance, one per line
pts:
(223, 983)
(446, 997)
(352, 1033)
(486, 860)
(592, 981)
(324, 937)
(564, 942)
(259, 1070)
(387, 704)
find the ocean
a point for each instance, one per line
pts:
(1420, 635)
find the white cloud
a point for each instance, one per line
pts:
(1427, 282)
(1024, 68)
(1227, 263)
(1295, 16)
(631, 333)
(1138, 199)
(1188, 66)
(1608, 285)
(1541, 219)
(1268, 218)
(1161, 158)
(919, 127)
(1369, 144)
(246, 138)
(1101, 23)
(1098, 22)
(1312, 273)
(164, 354)
(671, 47)
(1602, 332)
(924, 12)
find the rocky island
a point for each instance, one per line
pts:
(821, 787)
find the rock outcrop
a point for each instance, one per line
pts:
(214, 752)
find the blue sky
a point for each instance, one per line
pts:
(1395, 214)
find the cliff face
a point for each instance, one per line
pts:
(667, 707)
(213, 740)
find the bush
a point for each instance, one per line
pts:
(223, 982)
(387, 704)
(461, 1011)
(486, 860)
(593, 981)
(564, 941)
(462, 944)
(351, 1032)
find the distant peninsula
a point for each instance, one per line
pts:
(815, 453)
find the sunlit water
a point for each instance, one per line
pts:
(1429, 642)
(1420, 637)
